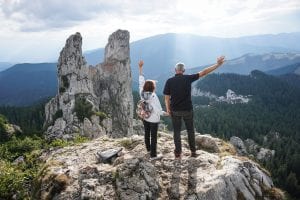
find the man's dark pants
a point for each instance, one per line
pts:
(187, 117)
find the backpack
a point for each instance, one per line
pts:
(143, 109)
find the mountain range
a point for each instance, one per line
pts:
(24, 84)
(290, 69)
(5, 65)
(161, 52)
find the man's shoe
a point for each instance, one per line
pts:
(177, 155)
(194, 154)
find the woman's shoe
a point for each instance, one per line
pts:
(158, 157)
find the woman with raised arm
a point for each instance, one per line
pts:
(154, 109)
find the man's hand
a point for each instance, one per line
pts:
(207, 70)
(167, 103)
(220, 60)
(169, 112)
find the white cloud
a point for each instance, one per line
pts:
(29, 24)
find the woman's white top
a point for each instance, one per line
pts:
(153, 101)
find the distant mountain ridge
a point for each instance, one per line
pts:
(5, 65)
(24, 84)
(162, 52)
(243, 65)
(290, 69)
(263, 62)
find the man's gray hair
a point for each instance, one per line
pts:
(180, 67)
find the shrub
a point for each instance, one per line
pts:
(78, 139)
(83, 108)
(3, 120)
(62, 90)
(11, 182)
(65, 84)
(57, 115)
(17, 147)
(15, 179)
(126, 142)
(65, 81)
(101, 115)
(59, 143)
(3, 123)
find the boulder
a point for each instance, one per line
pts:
(250, 148)
(265, 154)
(208, 143)
(239, 145)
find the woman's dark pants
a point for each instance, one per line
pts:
(151, 137)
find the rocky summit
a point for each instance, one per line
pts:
(216, 173)
(96, 102)
(92, 99)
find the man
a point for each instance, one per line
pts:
(178, 102)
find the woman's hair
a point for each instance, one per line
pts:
(149, 86)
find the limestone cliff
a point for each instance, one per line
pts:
(89, 94)
(76, 173)
(113, 83)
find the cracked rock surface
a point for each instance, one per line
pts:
(75, 173)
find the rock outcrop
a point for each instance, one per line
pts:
(250, 148)
(239, 145)
(7, 130)
(75, 173)
(92, 100)
(113, 83)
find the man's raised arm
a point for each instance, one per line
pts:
(207, 70)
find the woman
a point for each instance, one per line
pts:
(147, 93)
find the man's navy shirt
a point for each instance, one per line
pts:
(179, 88)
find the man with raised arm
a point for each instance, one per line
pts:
(178, 102)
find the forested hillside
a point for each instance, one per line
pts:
(274, 108)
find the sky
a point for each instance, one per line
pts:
(36, 30)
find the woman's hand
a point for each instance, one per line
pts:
(166, 114)
(141, 63)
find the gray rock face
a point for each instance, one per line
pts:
(84, 91)
(132, 176)
(265, 154)
(250, 148)
(138, 127)
(113, 81)
(239, 145)
(137, 179)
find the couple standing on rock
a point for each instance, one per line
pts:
(179, 106)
